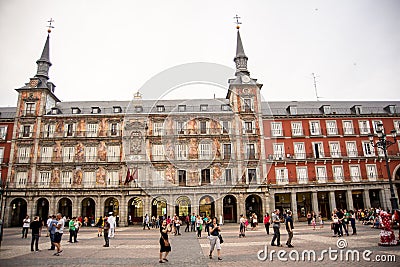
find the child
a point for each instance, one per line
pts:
(321, 222)
(313, 223)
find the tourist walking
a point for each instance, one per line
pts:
(146, 220)
(192, 223)
(289, 228)
(242, 226)
(106, 229)
(199, 225)
(77, 225)
(52, 231)
(25, 226)
(165, 246)
(187, 222)
(177, 223)
(58, 234)
(254, 221)
(111, 220)
(276, 223)
(215, 238)
(353, 222)
(71, 227)
(36, 227)
(99, 226)
(267, 223)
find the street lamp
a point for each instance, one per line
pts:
(383, 144)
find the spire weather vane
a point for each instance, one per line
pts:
(50, 26)
(237, 22)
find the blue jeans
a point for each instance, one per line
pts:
(277, 235)
(52, 241)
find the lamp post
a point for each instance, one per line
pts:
(383, 143)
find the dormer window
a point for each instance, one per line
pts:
(326, 109)
(96, 110)
(203, 107)
(225, 108)
(292, 110)
(76, 110)
(356, 109)
(55, 111)
(160, 108)
(117, 109)
(138, 109)
(391, 109)
(182, 108)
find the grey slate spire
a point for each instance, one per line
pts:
(44, 61)
(241, 58)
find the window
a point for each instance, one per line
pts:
(114, 129)
(203, 107)
(26, 131)
(180, 127)
(248, 127)
(276, 128)
(21, 179)
(24, 154)
(292, 110)
(91, 129)
(331, 128)
(91, 153)
(321, 174)
(205, 176)
(160, 108)
(391, 109)
(112, 178)
(181, 152)
(182, 108)
(334, 148)
(68, 153)
(348, 127)
(338, 174)
(299, 151)
(251, 152)
(227, 151)
(225, 127)
(375, 124)
(364, 127)
(76, 110)
(182, 177)
(318, 150)
(158, 128)
(69, 129)
(89, 179)
(279, 151)
(117, 109)
(371, 172)
(281, 176)
(49, 130)
(314, 128)
(355, 173)
(297, 128)
(46, 154)
(138, 109)
(396, 127)
(3, 133)
(368, 149)
(326, 109)
(351, 148)
(96, 110)
(1, 156)
(225, 108)
(203, 127)
(113, 153)
(247, 105)
(228, 176)
(252, 175)
(302, 175)
(158, 152)
(30, 108)
(204, 151)
(357, 109)
(66, 179)
(44, 179)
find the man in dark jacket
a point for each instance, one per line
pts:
(36, 226)
(289, 228)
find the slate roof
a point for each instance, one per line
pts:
(7, 112)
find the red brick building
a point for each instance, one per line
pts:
(320, 156)
(7, 116)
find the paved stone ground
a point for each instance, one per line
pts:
(133, 246)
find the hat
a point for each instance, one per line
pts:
(110, 213)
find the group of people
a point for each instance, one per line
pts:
(106, 227)
(341, 218)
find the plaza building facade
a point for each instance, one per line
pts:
(216, 157)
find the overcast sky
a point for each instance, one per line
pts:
(107, 50)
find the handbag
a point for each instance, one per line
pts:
(166, 242)
(220, 239)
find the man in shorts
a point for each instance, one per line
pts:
(58, 234)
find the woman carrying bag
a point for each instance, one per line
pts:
(165, 246)
(215, 238)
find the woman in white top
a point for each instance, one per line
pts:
(199, 225)
(25, 226)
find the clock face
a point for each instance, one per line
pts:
(245, 79)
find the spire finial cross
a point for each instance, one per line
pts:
(237, 21)
(50, 26)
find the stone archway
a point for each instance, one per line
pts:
(206, 206)
(254, 205)
(42, 208)
(135, 211)
(159, 207)
(111, 205)
(88, 209)
(183, 206)
(65, 207)
(18, 211)
(230, 208)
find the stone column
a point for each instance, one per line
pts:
(349, 200)
(52, 210)
(366, 199)
(195, 205)
(219, 207)
(314, 202)
(241, 205)
(99, 208)
(384, 197)
(76, 207)
(123, 209)
(332, 200)
(267, 206)
(294, 206)
(271, 203)
(30, 209)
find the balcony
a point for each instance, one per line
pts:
(80, 134)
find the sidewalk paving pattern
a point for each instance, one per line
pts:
(133, 246)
